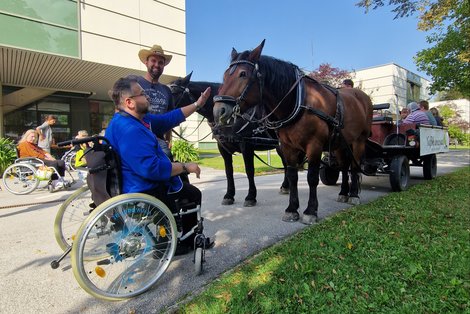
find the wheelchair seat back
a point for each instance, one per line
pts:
(104, 178)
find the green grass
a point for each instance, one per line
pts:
(407, 252)
(212, 159)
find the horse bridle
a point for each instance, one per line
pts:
(185, 90)
(258, 75)
(255, 75)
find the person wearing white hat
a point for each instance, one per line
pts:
(159, 95)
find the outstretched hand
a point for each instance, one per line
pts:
(203, 98)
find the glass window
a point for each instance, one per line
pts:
(27, 34)
(62, 12)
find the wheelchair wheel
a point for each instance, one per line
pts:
(198, 261)
(124, 246)
(69, 160)
(71, 215)
(20, 179)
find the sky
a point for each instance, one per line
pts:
(305, 32)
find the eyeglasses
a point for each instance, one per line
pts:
(141, 94)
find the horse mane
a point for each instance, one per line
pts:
(279, 75)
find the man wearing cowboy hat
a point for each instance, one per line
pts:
(159, 95)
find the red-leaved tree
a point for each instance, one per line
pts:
(325, 73)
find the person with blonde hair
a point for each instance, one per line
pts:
(27, 147)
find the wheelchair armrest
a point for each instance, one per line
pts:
(31, 160)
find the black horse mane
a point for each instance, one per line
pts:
(278, 75)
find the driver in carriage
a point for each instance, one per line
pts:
(145, 167)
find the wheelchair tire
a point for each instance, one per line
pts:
(131, 251)
(70, 216)
(20, 179)
(198, 259)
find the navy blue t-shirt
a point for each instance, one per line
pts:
(160, 97)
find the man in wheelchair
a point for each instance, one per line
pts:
(145, 168)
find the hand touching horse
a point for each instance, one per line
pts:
(184, 91)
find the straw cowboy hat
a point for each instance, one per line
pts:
(156, 50)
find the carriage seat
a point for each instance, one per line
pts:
(380, 116)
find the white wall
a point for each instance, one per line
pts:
(384, 83)
(113, 31)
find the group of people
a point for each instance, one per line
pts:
(420, 113)
(140, 132)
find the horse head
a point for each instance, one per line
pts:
(242, 85)
(185, 92)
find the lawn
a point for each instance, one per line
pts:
(406, 252)
(212, 159)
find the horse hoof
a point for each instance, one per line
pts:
(249, 203)
(227, 201)
(354, 201)
(309, 219)
(342, 199)
(284, 191)
(290, 217)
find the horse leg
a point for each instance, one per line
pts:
(291, 214)
(344, 191)
(285, 183)
(355, 174)
(310, 215)
(228, 162)
(355, 186)
(248, 158)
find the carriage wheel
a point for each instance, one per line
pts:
(328, 175)
(400, 173)
(71, 215)
(429, 166)
(133, 239)
(20, 179)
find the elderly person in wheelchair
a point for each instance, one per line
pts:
(27, 147)
(144, 166)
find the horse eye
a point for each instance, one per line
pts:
(242, 74)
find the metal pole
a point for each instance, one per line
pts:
(269, 157)
(397, 113)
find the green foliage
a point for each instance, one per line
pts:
(7, 153)
(448, 60)
(406, 252)
(184, 151)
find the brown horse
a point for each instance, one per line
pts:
(309, 117)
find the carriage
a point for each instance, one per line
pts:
(392, 149)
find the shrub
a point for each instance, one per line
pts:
(7, 153)
(184, 151)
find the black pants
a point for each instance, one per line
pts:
(58, 164)
(190, 193)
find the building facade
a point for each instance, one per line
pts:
(393, 84)
(62, 57)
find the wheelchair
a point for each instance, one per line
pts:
(25, 175)
(121, 244)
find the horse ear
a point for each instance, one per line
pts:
(234, 54)
(256, 53)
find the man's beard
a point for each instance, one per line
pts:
(142, 109)
(155, 74)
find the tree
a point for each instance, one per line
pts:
(448, 61)
(325, 73)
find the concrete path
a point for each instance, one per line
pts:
(29, 285)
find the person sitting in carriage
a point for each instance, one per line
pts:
(145, 167)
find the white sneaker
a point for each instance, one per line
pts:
(58, 185)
